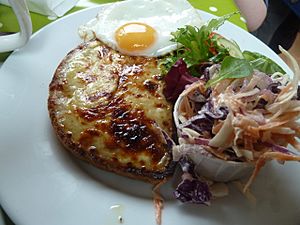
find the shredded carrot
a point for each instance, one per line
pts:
(158, 201)
(186, 108)
(217, 126)
(247, 194)
(265, 157)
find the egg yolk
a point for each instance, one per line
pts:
(133, 37)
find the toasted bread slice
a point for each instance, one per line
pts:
(108, 109)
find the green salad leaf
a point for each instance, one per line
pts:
(232, 67)
(195, 44)
(214, 24)
(262, 63)
(202, 44)
(167, 62)
(198, 44)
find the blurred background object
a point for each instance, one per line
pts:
(11, 41)
(53, 8)
(281, 26)
(254, 12)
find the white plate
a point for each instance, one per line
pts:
(43, 185)
(1, 217)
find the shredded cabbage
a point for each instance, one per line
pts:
(261, 119)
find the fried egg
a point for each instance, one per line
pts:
(140, 27)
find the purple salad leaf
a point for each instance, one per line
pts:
(176, 80)
(191, 190)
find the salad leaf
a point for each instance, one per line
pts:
(262, 63)
(165, 63)
(232, 67)
(214, 24)
(222, 53)
(199, 44)
(176, 80)
(191, 189)
(194, 40)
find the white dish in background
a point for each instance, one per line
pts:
(42, 184)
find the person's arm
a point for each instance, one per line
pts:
(253, 11)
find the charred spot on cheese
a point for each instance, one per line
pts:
(109, 110)
(151, 86)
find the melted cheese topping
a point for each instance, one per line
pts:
(112, 105)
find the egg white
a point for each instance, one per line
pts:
(165, 16)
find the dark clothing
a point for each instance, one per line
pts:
(294, 5)
(281, 25)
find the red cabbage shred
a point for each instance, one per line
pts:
(191, 190)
